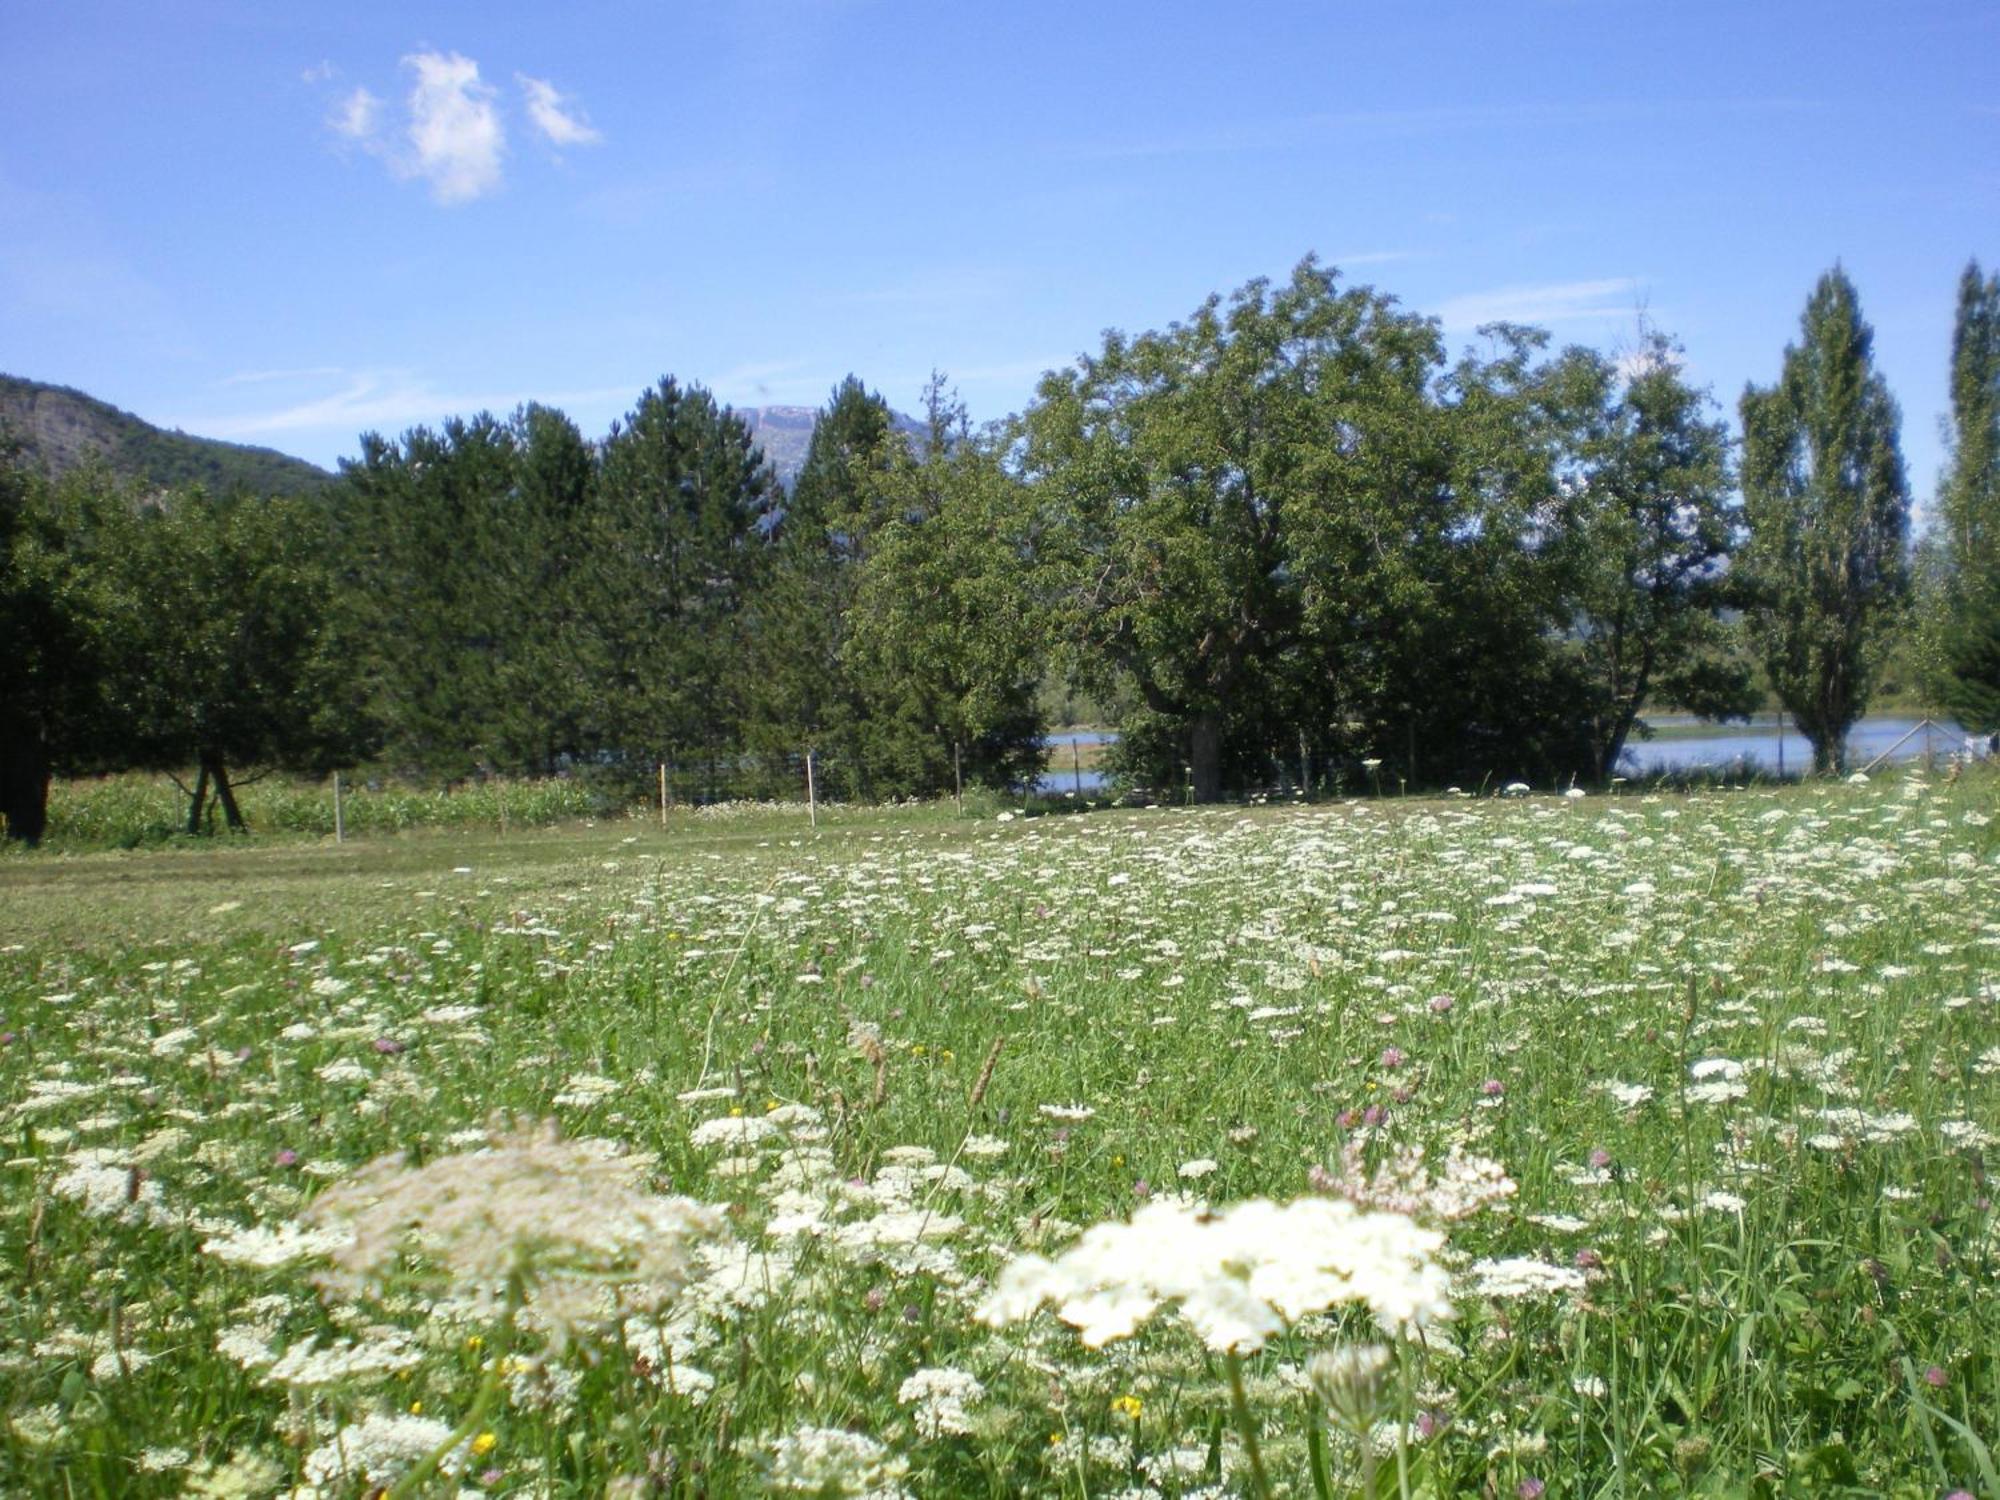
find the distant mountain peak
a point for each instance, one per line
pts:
(785, 434)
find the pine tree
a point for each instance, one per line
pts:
(682, 497)
(1828, 511)
(802, 691)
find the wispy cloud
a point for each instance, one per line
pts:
(357, 115)
(450, 131)
(1608, 299)
(455, 136)
(267, 377)
(1323, 128)
(385, 401)
(554, 116)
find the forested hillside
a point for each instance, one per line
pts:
(59, 429)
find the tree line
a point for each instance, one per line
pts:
(1285, 537)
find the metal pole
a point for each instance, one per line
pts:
(1076, 764)
(812, 793)
(663, 794)
(339, 815)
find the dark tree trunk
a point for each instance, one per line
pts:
(24, 786)
(1205, 758)
(198, 800)
(226, 795)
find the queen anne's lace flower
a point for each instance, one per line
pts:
(829, 1461)
(1239, 1276)
(573, 1214)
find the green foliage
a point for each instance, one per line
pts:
(67, 653)
(802, 692)
(1969, 511)
(1647, 522)
(943, 638)
(227, 607)
(675, 552)
(1828, 511)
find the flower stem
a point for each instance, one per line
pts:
(1246, 1428)
(482, 1403)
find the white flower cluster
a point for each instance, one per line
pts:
(1524, 1276)
(938, 1399)
(572, 1211)
(1406, 1183)
(111, 1186)
(380, 1449)
(1239, 1275)
(826, 1462)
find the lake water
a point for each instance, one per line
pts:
(1760, 744)
(1691, 744)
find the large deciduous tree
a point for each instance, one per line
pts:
(1648, 523)
(228, 606)
(1828, 510)
(1180, 474)
(58, 641)
(944, 638)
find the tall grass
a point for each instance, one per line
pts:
(1737, 1053)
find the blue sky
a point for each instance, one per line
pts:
(289, 223)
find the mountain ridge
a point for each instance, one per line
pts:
(61, 428)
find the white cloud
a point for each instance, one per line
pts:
(386, 401)
(455, 134)
(1611, 299)
(320, 72)
(554, 116)
(357, 115)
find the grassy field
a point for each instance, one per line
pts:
(1550, 1147)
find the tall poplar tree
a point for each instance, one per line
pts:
(1828, 510)
(1969, 509)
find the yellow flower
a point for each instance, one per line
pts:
(416, 1408)
(484, 1444)
(1128, 1406)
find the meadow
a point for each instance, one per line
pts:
(1629, 1145)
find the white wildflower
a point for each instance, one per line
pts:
(828, 1462)
(1239, 1276)
(938, 1399)
(1523, 1276)
(572, 1211)
(379, 1450)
